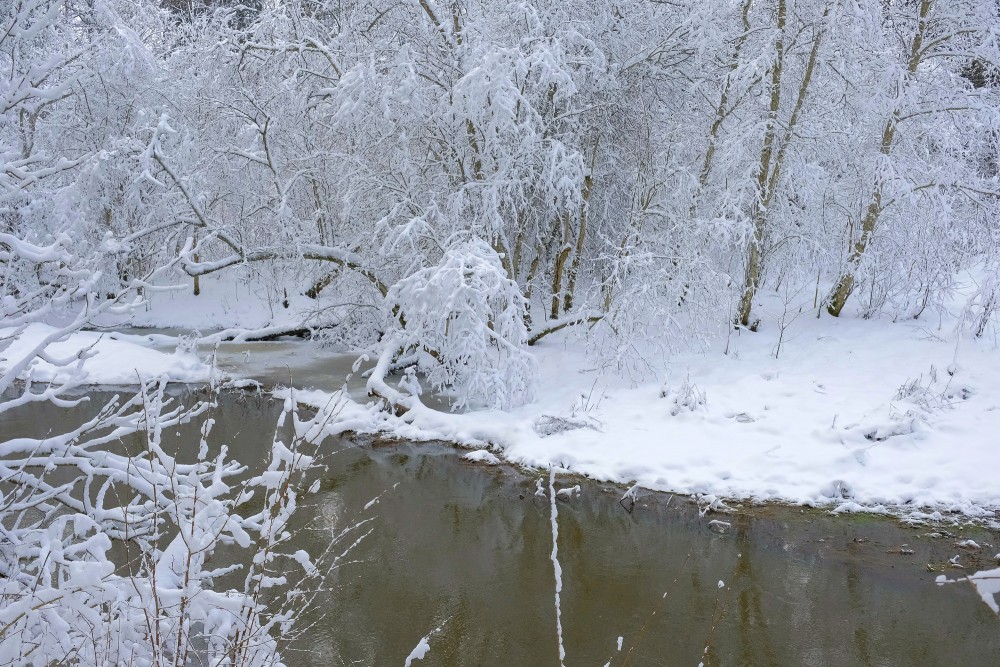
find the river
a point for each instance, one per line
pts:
(466, 548)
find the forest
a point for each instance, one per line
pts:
(636, 170)
(474, 198)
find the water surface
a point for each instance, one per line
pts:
(466, 548)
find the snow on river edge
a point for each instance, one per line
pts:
(856, 415)
(106, 359)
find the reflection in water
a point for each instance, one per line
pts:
(466, 548)
(986, 583)
(756, 646)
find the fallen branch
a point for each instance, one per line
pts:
(234, 335)
(562, 323)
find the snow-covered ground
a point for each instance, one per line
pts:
(107, 359)
(858, 415)
(852, 414)
(227, 300)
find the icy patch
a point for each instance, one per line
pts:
(986, 583)
(419, 651)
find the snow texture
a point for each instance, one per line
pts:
(419, 651)
(986, 583)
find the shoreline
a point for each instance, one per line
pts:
(852, 416)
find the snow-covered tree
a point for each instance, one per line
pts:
(462, 320)
(922, 196)
(642, 171)
(71, 501)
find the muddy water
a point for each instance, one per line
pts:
(466, 549)
(292, 363)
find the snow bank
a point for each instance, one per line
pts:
(855, 415)
(119, 361)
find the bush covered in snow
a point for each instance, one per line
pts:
(685, 397)
(464, 319)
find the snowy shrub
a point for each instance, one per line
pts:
(465, 318)
(547, 425)
(912, 406)
(982, 304)
(922, 394)
(187, 345)
(581, 415)
(686, 397)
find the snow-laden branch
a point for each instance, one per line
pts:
(62, 595)
(553, 326)
(344, 258)
(465, 320)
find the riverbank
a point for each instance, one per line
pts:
(855, 415)
(469, 548)
(848, 414)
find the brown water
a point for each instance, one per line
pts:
(467, 548)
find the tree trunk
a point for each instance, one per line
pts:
(559, 268)
(581, 234)
(752, 277)
(197, 280)
(845, 285)
(767, 183)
